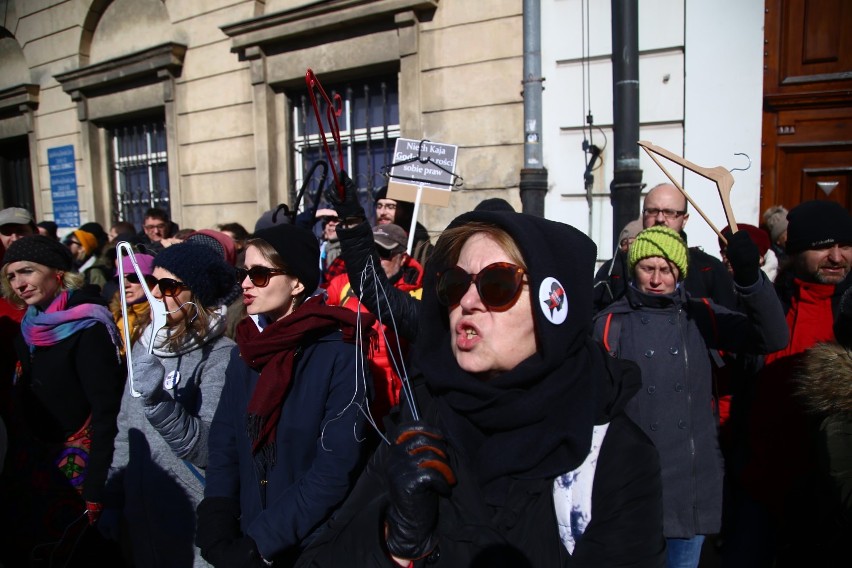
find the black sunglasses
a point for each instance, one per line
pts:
(259, 275)
(133, 278)
(498, 284)
(168, 286)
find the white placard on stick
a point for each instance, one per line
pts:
(421, 164)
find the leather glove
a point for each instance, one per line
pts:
(93, 512)
(418, 471)
(239, 553)
(109, 524)
(148, 376)
(349, 208)
(744, 258)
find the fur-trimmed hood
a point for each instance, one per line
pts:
(824, 380)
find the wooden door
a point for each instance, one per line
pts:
(807, 119)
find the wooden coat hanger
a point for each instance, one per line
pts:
(720, 176)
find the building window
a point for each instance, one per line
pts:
(369, 127)
(140, 169)
(15, 175)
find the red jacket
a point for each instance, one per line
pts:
(386, 379)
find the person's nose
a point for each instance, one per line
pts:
(834, 254)
(471, 300)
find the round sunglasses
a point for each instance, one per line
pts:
(259, 275)
(498, 284)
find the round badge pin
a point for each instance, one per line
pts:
(172, 380)
(552, 300)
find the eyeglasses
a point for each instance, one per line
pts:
(169, 286)
(133, 278)
(159, 226)
(667, 213)
(388, 206)
(74, 243)
(498, 284)
(259, 275)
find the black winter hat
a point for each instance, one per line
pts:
(817, 224)
(198, 266)
(494, 204)
(97, 230)
(40, 249)
(298, 248)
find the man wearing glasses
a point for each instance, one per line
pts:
(707, 277)
(157, 226)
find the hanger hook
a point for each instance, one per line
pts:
(745, 168)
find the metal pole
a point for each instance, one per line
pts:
(626, 185)
(533, 186)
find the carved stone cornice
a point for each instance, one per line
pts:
(19, 99)
(289, 29)
(147, 66)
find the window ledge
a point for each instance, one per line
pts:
(125, 72)
(291, 26)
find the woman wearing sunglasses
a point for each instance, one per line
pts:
(66, 396)
(157, 474)
(287, 440)
(138, 310)
(520, 454)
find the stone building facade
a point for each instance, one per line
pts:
(203, 100)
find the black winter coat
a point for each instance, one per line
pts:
(63, 384)
(525, 533)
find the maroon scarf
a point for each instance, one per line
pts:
(273, 354)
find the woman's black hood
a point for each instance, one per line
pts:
(556, 396)
(560, 269)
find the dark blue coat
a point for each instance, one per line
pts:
(673, 339)
(318, 454)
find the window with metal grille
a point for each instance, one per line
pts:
(140, 169)
(15, 177)
(369, 127)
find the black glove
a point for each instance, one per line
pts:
(744, 257)
(349, 208)
(218, 526)
(418, 471)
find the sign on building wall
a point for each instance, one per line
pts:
(63, 186)
(424, 164)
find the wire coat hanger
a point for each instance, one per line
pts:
(720, 176)
(333, 109)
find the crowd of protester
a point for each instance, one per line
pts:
(327, 391)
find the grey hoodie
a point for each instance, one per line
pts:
(161, 450)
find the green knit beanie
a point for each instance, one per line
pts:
(663, 242)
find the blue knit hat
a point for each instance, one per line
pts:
(198, 266)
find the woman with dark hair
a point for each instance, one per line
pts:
(517, 452)
(67, 390)
(157, 474)
(287, 440)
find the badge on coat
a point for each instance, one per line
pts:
(172, 380)
(552, 300)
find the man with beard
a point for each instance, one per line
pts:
(779, 474)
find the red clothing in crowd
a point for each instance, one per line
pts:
(386, 380)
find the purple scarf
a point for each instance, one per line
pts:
(57, 323)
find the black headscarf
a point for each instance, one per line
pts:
(535, 421)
